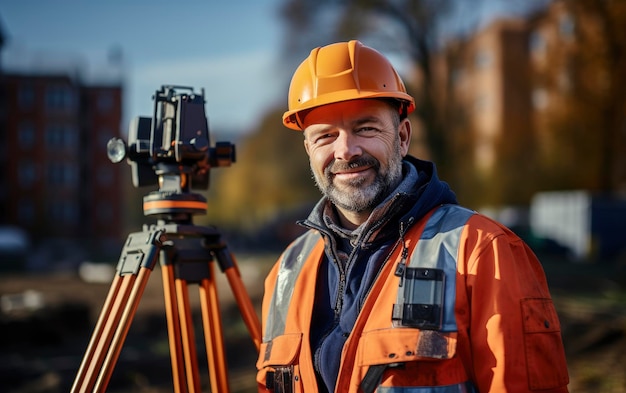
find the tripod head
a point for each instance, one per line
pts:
(172, 150)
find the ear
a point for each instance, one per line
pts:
(306, 146)
(404, 132)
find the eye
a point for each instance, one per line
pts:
(322, 138)
(367, 130)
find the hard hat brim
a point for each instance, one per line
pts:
(293, 119)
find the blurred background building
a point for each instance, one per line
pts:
(57, 185)
(538, 103)
(517, 105)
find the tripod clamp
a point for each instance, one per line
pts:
(141, 250)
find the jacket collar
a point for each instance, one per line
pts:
(419, 191)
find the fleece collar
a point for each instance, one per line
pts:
(419, 191)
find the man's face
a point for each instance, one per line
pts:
(355, 151)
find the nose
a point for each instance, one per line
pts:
(347, 146)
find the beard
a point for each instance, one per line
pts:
(354, 195)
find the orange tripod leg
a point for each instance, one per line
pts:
(213, 334)
(98, 332)
(138, 287)
(187, 335)
(113, 320)
(245, 305)
(173, 329)
(133, 270)
(229, 267)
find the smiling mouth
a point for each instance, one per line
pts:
(351, 173)
(351, 170)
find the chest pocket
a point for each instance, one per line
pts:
(408, 359)
(278, 368)
(400, 345)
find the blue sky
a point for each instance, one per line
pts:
(229, 48)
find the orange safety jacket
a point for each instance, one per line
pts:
(461, 305)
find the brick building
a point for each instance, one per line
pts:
(56, 181)
(532, 97)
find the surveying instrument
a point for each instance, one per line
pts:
(172, 150)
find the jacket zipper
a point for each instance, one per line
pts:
(342, 270)
(405, 252)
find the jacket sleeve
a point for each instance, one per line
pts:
(509, 331)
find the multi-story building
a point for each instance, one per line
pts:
(490, 81)
(578, 85)
(57, 182)
(534, 97)
(488, 85)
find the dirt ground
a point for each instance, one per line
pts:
(41, 348)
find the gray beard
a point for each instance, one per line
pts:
(358, 198)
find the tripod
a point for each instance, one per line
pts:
(185, 252)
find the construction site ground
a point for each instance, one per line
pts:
(42, 345)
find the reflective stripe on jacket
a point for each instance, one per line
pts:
(468, 310)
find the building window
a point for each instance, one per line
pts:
(27, 174)
(483, 59)
(105, 102)
(26, 97)
(537, 44)
(63, 212)
(458, 75)
(26, 211)
(565, 81)
(566, 26)
(481, 103)
(540, 98)
(26, 135)
(61, 136)
(62, 174)
(60, 98)
(484, 153)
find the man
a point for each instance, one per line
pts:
(395, 287)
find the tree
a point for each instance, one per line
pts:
(270, 177)
(587, 141)
(602, 57)
(408, 30)
(413, 33)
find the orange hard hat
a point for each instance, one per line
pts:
(341, 72)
